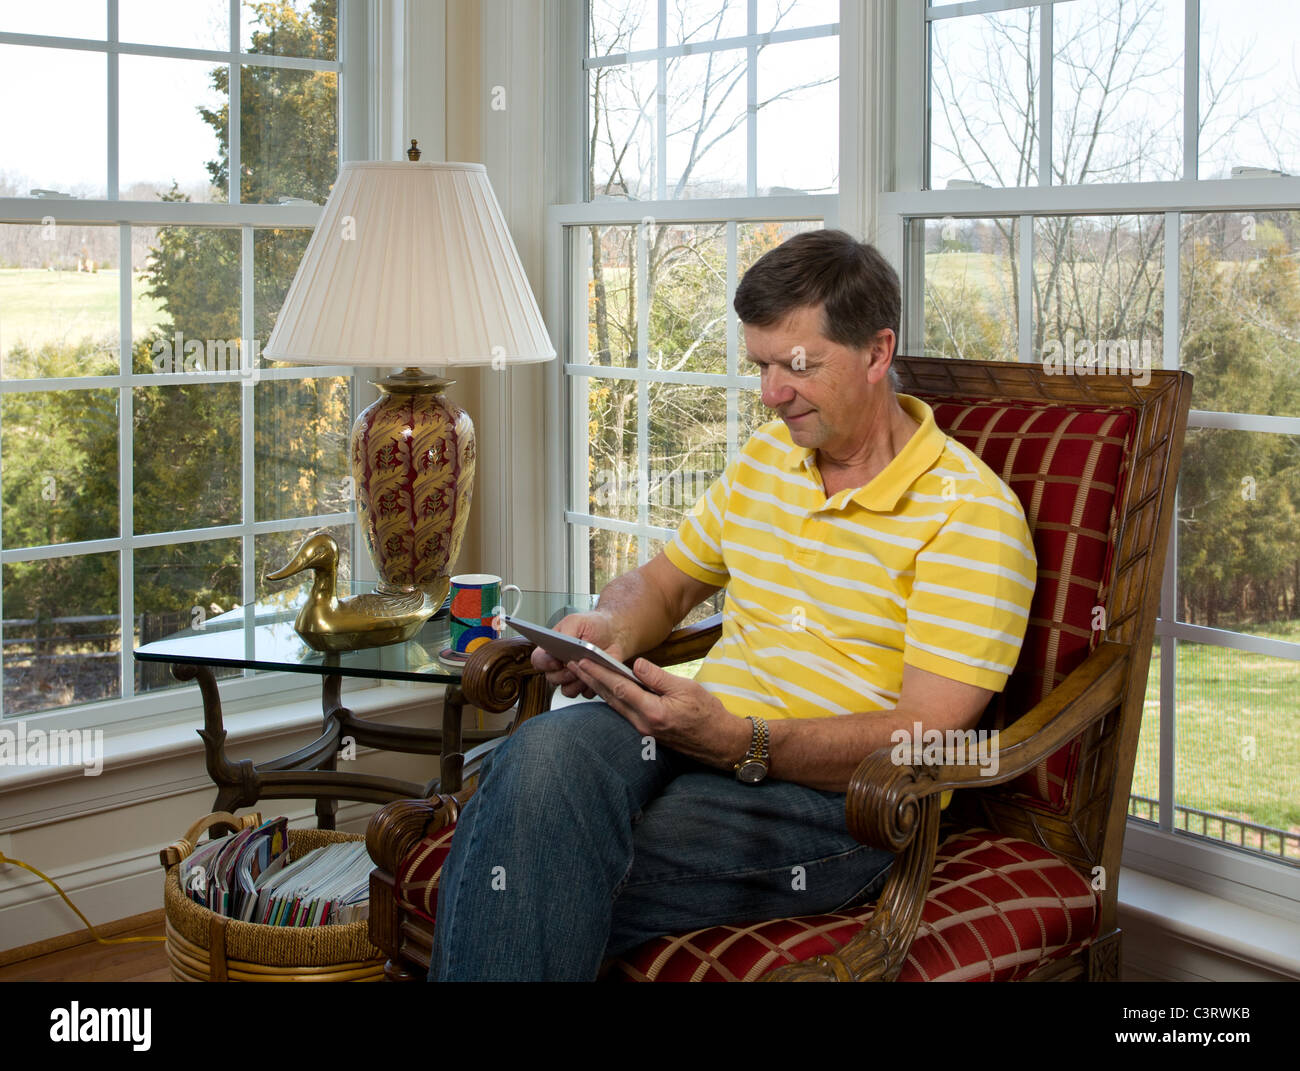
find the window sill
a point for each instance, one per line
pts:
(167, 760)
(1172, 931)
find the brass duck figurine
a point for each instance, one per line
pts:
(328, 623)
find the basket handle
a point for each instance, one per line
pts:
(181, 849)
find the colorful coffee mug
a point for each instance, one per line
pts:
(476, 610)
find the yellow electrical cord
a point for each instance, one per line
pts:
(93, 933)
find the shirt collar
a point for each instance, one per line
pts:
(919, 453)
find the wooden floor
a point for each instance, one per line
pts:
(143, 961)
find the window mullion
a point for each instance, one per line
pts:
(1168, 682)
(1045, 84)
(957, 10)
(661, 107)
(1191, 88)
(233, 134)
(751, 102)
(642, 386)
(1170, 355)
(579, 400)
(733, 342)
(1025, 311)
(113, 89)
(247, 442)
(126, 464)
(1168, 722)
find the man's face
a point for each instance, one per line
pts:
(826, 393)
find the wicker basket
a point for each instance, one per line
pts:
(205, 947)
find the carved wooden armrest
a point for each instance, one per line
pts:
(877, 952)
(883, 796)
(497, 673)
(398, 827)
(896, 807)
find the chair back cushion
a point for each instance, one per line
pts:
(1067, 464)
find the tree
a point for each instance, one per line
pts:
(1239, 563)
(685, 266)
(288, 147)
(1102, 278)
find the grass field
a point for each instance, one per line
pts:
(1237, 735)
(38, 307)
(982, 273)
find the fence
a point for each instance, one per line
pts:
(52, 662)
(1229, 830)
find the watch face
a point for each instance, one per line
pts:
(751, 772)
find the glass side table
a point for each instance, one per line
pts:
(264, 639)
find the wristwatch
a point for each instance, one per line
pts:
(753, 767)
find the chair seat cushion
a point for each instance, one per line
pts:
(998, 908)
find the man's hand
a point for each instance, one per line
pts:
(594, 627)
(684, 716)
(637, 610)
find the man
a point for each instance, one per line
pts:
(877, 575)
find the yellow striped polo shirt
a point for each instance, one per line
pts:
(930, 564)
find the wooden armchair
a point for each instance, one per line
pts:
(1018, 878)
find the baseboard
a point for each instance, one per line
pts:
(147, 920)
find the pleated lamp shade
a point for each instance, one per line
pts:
(411, 265)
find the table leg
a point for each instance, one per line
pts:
(237, 783)
(331, 701)
(452, 759)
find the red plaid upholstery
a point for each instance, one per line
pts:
(998, 908)
(417, 877)
(1066, 465)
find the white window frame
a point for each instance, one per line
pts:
(1248, 879)
(359, 23)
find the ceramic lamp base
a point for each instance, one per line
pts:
(413, 458)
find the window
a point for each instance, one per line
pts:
(712, 134)
(157, 190)
(1105, 170)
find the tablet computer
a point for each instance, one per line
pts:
(571, 649)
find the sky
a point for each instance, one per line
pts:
(53, 102)
(57, 138)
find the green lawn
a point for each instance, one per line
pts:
(1237, 735)
(38, 307)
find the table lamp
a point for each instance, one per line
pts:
(411, 266)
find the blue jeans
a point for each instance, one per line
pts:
(585, 839)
